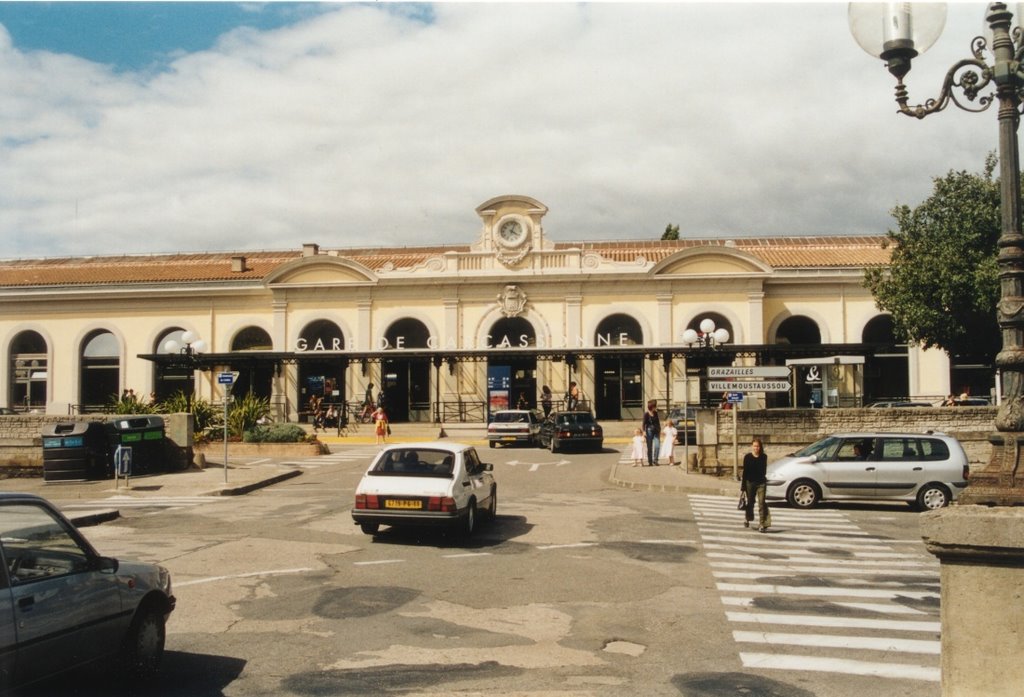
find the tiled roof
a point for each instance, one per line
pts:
(780, 252)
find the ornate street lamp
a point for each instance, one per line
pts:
(187, 349)
(980, 547)
(708, 336)
(897, 33)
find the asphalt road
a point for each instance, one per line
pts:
(578, 588)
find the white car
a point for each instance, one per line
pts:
(432, 483)
(926, 469)
(512, 426)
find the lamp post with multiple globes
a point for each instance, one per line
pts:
(980, 547)
(187, 349)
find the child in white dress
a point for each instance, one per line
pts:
(668, 441)
(639, 448)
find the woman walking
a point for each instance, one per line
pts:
(380, 419)
(755, 465)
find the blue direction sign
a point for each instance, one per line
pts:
(226, 378)
(734, 397)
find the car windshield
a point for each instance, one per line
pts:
(415, 462)
(818, 447)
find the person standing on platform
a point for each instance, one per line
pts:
(651, 425)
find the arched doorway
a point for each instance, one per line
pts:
(512, 381)
(254, 376)
(28, 372)
(699, 359)
(618, 379)
(405, 382)
(886, 372)
(801, 330)
(321, 369)
(99, 378)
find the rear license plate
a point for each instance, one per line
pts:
(403, 503)
(508, 437)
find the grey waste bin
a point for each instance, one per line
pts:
(145, 436)
(76, 450)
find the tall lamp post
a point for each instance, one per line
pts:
(188, 349)
(897, 33)
(708, 337)
(980, 547)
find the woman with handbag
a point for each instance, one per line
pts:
(383, 429)
(753, 485)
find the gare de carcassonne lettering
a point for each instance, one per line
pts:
(521, 341)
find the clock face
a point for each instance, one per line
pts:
(511, 232)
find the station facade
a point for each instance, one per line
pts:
(451, 332)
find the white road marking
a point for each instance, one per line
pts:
(849, 622)
(212, 579)
(888, 609)
(568, 546)
(841, 665)
(824, 591)
(381, 561)
(870, 643)
(467, 554)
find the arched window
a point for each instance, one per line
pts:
(512, 332)
(253, 339)
(28, 371)
(254, 376)
(880, 331)
(886, 374)
(407, 333)
(619, 330)
(100, 372)
(798, 329)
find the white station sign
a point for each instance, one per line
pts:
(748, 386)
(754, 372)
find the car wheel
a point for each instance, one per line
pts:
(490, 443)
(469, 521)
(144, 645)
(369, 528)
(932, 497)
(492, 508)
(803, 494)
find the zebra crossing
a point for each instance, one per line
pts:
(356, 454)
(123, 502)
(819, 594)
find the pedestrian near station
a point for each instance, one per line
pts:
(651, 425)
(753, 486)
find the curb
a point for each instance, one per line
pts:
(253, 486)
(681, 488)
(85, 520)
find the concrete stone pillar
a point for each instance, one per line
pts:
(981, 551)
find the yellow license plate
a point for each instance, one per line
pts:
(508, 437)
(400, 503)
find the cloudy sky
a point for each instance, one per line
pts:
(157, 127)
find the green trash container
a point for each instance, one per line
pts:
(145, 436)
(76, 450)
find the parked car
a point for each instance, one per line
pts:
(973, 402)
(514, 426)
(65, 606)
(434, 484)
(575, 429)
(897, 404)
(927, 469)
(7, 411)
(690, 423)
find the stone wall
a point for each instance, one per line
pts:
(786, 430)
(21, 443)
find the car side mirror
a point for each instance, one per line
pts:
(106, 565)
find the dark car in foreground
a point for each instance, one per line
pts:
(64, 606)
(571, 429)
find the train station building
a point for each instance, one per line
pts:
(451, 332)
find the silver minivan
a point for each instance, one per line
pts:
(926, 469)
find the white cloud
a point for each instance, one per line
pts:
(367, 126)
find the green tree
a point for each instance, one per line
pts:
(671, 232)
(942, 284)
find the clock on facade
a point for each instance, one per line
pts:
(511, 233)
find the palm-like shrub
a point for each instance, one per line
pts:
(245, 413)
